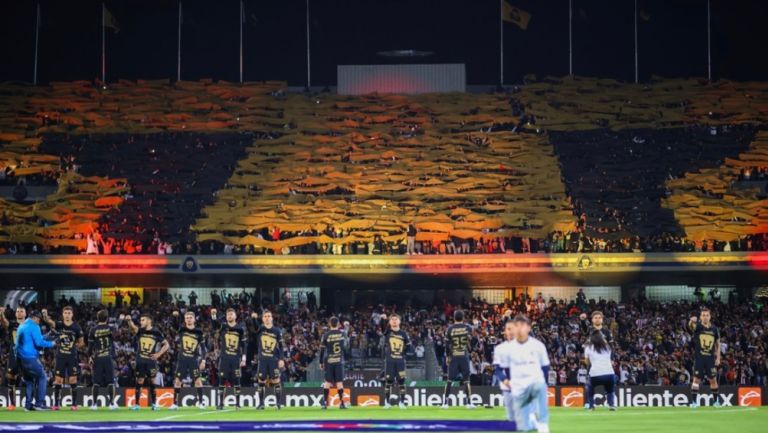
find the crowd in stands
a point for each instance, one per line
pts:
(7, 178)
(753, 174)
(618, 209)
(651, 342)
(557, 242)
(618, 179)
(171, 176)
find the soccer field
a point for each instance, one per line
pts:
(656, 420)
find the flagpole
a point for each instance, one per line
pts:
(501, 42)
(178, 49)
(308, 63)
(709, 42)
(570, 38)
(241, 40)
(103, 45)
(636, 61)
(37, 39)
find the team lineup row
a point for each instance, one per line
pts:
(231, 337)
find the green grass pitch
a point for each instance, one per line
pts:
(637, 419)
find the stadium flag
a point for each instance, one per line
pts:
(242, 21)
(709, 42)
(107, 20)
(570, 38)
(510, 14)
(37, 42)
(309, 75)
(515, 15)
(110, 21)
(178, 45)
(637, 59)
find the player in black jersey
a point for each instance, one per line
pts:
(396, 343)
(12, 371)
(332, 346)
(706, 344)
(67, 360)
(595, 323)
(231, 340)
(458, 338)
(190, 360)
(101, 349)
(270, 358)
(147, 340)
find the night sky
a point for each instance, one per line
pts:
(672, 38)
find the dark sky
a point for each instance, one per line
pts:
(672, 40)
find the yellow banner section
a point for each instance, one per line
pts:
(578, 103)
(80, 107)
(351, 169)
(70, 213)
(712, 204)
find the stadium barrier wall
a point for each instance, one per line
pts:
(567, 396)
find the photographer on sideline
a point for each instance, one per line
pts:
(29, 343)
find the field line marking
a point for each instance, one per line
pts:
(182, 415)
(168, 418)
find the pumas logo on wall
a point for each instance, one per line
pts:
(752, 397)
(189, 265)
(585, 262)
(572, 396)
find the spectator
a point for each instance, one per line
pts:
(411, 236)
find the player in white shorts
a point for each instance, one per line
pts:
(501, 369)
(528, 365)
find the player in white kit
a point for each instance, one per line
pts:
(598, 355)
(501, 370)
(528, 365)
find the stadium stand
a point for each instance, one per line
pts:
(333, 174)
(31, 115)
(580, 103)
(170, 176)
